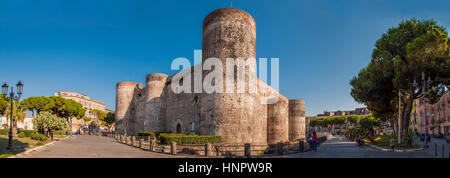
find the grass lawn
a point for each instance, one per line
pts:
(60, 137)
(19, 145)
(384, 142)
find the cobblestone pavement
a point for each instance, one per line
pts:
(338, 147)
(94, 147)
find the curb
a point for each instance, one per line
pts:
(399, 151)
(37, 148)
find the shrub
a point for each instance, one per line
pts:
(21, 135)
(39, 137)
(59, 132)
(189, 139)
(4, 131)
(28, 133)
(39, 144)
(146, 133)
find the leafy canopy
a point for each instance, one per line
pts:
(399, 58)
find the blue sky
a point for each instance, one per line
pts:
(88, 46)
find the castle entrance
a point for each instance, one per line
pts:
(178, 128)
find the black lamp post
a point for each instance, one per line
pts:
(12, 97)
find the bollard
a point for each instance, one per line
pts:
(208, 149)
(280, 148)
(149, 138)
(443, 152)
(173, 148)
(133, 140)
(152, 145)
(435, 150)
(247, 150)
(301, 146)
(140, 142)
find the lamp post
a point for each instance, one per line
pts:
(12, 97)
(399, 117)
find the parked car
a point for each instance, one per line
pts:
(447, 138)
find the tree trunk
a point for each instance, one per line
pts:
(14, 130)
(50, 133)
(394, 126)
(407, 115)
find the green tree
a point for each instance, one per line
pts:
(50, 122)
(109, 120)
(99, 116)
(368, 124)
(398, 61)
(68, 109)
(3, 104)
(36, 104)
(18, 112)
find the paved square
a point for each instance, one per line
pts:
(94, 147)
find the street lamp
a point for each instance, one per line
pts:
(19, 87)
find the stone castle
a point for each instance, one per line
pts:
(238, 118)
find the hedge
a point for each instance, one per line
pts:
(188, 139)
(28, 133)
(146, 133)
(21, 135)
(59, 132)
(39, 137)
(4, 131)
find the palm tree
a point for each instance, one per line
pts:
(19, 113)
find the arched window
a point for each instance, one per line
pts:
(178, 128)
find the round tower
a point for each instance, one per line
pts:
(154, 86)
(297, 124)
(229, 33)
(236, 117)
(124, 96)
(278, 121)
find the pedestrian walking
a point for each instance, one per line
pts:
(308, 139)
(314, 141)
(392, 144)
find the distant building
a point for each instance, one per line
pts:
(27, 123)
(358, 111)
(88, 104)
(432, 118)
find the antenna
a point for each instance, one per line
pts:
(231, 3)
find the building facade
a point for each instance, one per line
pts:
(27, 123)
(81, 126)
(237, 117)
(358, 111)
(433, 118)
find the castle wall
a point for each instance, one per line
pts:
(154, 87)
(238, 118)
(277, 121)
(297, 122)
(124, 96)
(188, 108)
(136, 123)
